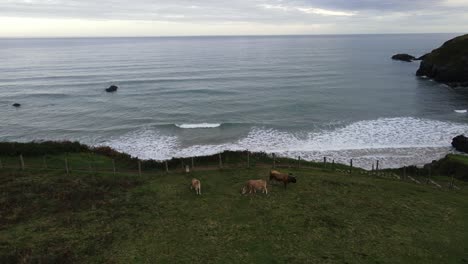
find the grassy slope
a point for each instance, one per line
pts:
(451, 52)
(325, 217)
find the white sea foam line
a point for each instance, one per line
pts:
(146, 144)
(461, 111)
(201, 125)
(386, 133)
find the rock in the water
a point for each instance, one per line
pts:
(447, 64)
(460, 143)
(112, 88)
(16, 105)
(422, 57)
(403, 57)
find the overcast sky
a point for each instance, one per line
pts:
(40, 18)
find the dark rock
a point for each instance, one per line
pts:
(16, 105)
(403, 57)
(447, 64)
(422, 57)
(112, 88)
(460, 143)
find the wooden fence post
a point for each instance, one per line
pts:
(44, 162)
(94, 164)
(139, 168)
(21, 162)
(220, 161)
(167, 166)
(66, 167)
(248, 159)
(377, 166)
(113, 166)
(274, 160)
(325, 161)
(351, 166)
(193, 164)
(429, 175)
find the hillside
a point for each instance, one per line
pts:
(328, 216)
(447, 64)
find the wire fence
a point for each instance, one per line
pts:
(95, 164)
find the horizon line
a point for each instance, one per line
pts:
(235, 35)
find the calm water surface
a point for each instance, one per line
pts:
(313, 96)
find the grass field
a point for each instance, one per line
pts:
(326, 217)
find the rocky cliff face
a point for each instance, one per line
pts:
(447, 64)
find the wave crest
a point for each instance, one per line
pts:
(200, 125)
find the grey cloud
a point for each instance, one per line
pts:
(222, 11)
(381, 5)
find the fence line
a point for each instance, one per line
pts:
(262, 161)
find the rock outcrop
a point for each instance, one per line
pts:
(447, 64)
(460, 143)
(403, 57)
(112, 88)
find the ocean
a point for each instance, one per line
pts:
(334, 96)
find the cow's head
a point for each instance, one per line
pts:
(244, 190)
(292, 179)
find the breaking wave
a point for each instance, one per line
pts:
(394, 141)
(201, 125)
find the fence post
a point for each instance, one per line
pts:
(377, 166)
(299, 162)
(452, 183)
(167, 166)
(274, 160)
(193, 164)
(44, 162)
(220, 161)
(372, 167)
(113, 166)
(139, 168)
(248, 159)
(66, 167)
(351, 166)
(325, 161)
(94, 164)
(21, 162)
(429, 174)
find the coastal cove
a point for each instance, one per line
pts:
(339, 97)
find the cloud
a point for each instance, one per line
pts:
(241, 16)
(307, 10)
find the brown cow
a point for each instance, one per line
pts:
(282, 177)
(196, 185)
(254, 186)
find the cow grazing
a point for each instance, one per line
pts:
(196, 185)
(282, 177)
(252, 186)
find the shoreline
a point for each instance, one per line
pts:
(451, 164)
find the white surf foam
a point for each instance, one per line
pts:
(394, 141)
(461, 111)
(201, 125)
(146, 144)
